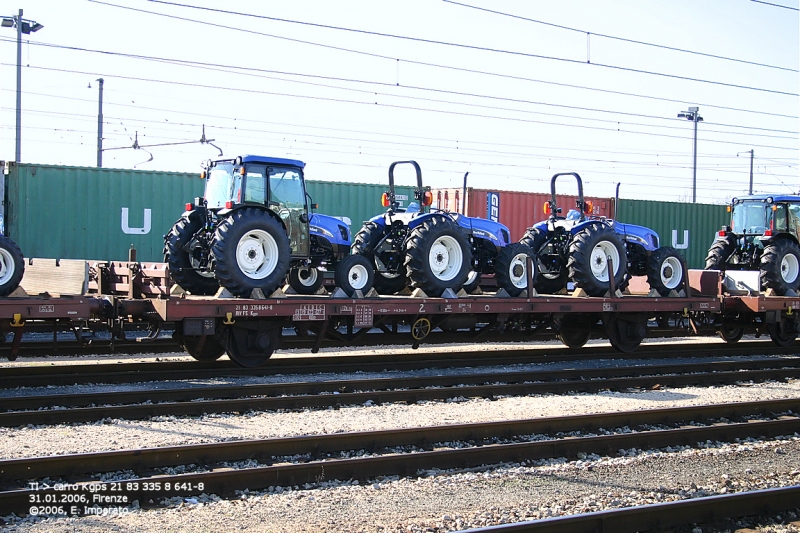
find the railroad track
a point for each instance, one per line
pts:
(398, 452)
(201, 400)
(660, 516)
(116, 373)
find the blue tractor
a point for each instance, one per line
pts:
(436, 250)
(579, 247)
(252, 228)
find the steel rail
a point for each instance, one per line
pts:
(183, 394)
(386, 390)
(225, 482)
(662, 516)
(143, 460)
(115, 373)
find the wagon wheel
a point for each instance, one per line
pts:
(574, 331)
(783, 333)
(730, 332)
(626, 334)
(250, 348)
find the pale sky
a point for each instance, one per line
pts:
(350, 86)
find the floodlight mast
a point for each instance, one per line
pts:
(694, 116)
(27, 27)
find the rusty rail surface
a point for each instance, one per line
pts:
(484, 451)
(197, 401)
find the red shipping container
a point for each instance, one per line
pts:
(516, 209)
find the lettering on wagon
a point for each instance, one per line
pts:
(309, 312)
(47, 308)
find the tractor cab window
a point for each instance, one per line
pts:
(793, 219)
(750, 218)
(255, 184)
(286, 187)
(220, 185)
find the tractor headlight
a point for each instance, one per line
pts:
(322, 230)
(343, 231)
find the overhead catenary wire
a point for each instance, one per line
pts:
(616, 38)
(441, 43)
(433, 110)
(249, 71)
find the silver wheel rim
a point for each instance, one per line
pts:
(790, 268)
(445, 258)
(7, 266)
(357, 277)
(311, 274)
(671, 272)
(517, 271)
(599, 259)
(257, 254)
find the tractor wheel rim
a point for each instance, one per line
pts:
(445, 258)
(6, 266)
(517, 271)
(307, 276)
(358, 276)
(671, 272)
(790, 268)
(257, 254)
(599, 259)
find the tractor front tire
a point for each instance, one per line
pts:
(354, 273)
(364, 244)
(548, 281)
(719, 253)
(588, 259)
(665, 270)
(438, 257)
(780, 267)
(12, 266)
(305, 279)
(252, 251)
(511, 268)
(182, 256)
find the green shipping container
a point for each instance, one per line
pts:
(94, 213)
(98, 213)
(690, 228)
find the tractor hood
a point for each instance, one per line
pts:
(638, 235)
(333, 229)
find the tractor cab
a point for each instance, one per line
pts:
(274, 184)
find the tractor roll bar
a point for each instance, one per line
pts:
(417, 193)
(581, 205)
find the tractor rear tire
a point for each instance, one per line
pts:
(12, 266)
(547, 282)
(588, 259)
(511, 268)
(719, 253)
(780, 266)
(252, 251)
(438, 257)
(364, 244)
(183, 261)
(305, 279)
(665, 270)
(354, 273)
